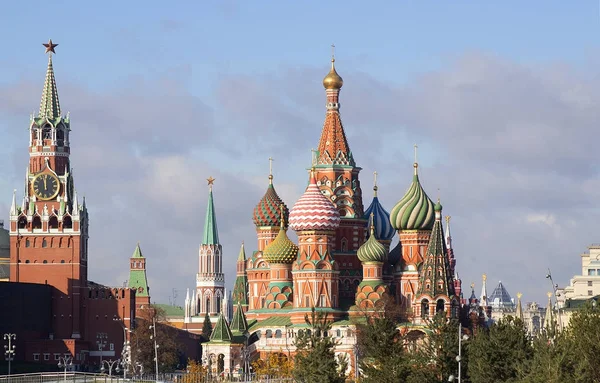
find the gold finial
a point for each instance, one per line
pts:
(448, 220)
(313, 161)
(333, 79)
(549, 295)
(282, 215)
(375, 183)
(372, 219)
(50, 47)
(484, 277)
(211, 181)
(472, 285)
(270, 170)
(416, 163)
(519, 295)
(332, 53)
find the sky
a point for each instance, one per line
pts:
(502, 98)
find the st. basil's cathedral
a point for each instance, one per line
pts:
(342, 263)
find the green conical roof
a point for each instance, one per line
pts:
(137, 277)
(281, 250)
(50, 107)
(137, 253)
(239, 324)
(211, 234)
(242, 255)
(221, 332)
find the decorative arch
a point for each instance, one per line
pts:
(53, 222)
(67, 222)
(36, 223)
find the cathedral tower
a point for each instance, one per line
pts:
(240, 289)
(337, 177)
(316, 274)
(413, 218)
(49, 230)
(210, 281)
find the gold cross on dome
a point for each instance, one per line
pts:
(332, 52)
(270, 166)
(416, 147)
(375, 178)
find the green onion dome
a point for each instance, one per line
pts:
(281, 249)
(372, 250)
(415, 210)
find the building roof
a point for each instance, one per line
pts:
(211, 233)
(314, 211)
(221, 333)
(49, 106)
(170, 310)
(372, 250)
(500, 298)
(381, 218)
(268, 211)
(415, 210)
(137, 277)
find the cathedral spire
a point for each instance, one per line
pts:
(519, 307)
(333, 145)
(49, 106)
(211, 234)
(13, 205)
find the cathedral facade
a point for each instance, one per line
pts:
(342, 263)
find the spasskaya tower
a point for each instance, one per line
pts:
(49, 227)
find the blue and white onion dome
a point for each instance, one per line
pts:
(380, 217)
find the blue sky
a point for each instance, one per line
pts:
(502, 98)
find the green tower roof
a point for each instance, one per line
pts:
(137, 277)
(239, 324)
(242, 255)
(221, 332)
(49, 106)
(211, 234)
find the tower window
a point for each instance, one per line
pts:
(27, 243)
(47, 133)
(44, 244)
(37, 222)
(67, 223)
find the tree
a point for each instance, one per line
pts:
(207, 327)
(584, 338)
(143, 346)
(315, 359)
(553, 360)
(276, 365)
(440, 349)
(499, 354)
(381, 347)
(195, 373)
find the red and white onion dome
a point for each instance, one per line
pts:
(314, 211)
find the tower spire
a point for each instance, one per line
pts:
(270, 171)
(375, 184)
(49, 106)
(211, 234)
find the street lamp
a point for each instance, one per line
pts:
(65, 362)
(110, 363)
(139, 366)
(9, 351)
(461, 337)
(556, 295)
(101, 342)
(153, 337)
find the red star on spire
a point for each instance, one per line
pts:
(50, 46)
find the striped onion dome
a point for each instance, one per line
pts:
(372, 250)
(415, 210)
(281, 249)
(314, 211)
(381, 218)
(266, 213)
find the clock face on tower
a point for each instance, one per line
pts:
(45, 186)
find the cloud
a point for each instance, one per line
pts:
(510, 146)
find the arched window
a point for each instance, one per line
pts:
(439, 307)
(67, 223)
(207, 307)
(37, 222)
(278, 334)
(218, 304)
(53, 222)
(269, 334)
(22, 222)
(47, 132)
(44, 244)
(344, 245)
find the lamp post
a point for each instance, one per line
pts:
(139, 366)
(9, 350)
(101, 342)
(556, 294)
(153, 337)
(65, 362)
(461, 337)
(110, 364)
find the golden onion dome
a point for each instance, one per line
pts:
(333, 80)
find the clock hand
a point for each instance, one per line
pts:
(45, 179)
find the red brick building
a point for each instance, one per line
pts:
(49, 245)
